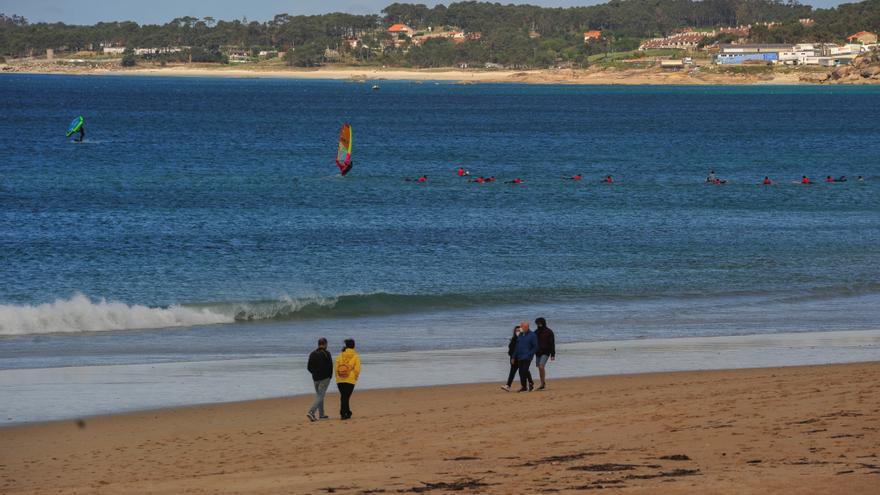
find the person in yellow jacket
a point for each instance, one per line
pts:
(348, 369)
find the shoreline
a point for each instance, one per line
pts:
(765, 430)
(36, 395)
(610, 76)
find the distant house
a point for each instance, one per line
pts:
(863, 37)
(592, 35)
(114, 50)
(398, 29)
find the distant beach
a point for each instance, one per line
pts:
(592, 76)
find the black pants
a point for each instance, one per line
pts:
(524, 374)
(513, 368)
(345, 391)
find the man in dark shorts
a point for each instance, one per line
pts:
(546, 349)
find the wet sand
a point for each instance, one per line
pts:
(811, 429)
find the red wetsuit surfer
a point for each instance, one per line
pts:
(767, 181)
(608, 180)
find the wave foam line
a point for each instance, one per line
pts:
(80, 314)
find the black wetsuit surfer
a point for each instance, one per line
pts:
(82, 134)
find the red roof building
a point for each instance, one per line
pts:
(863, 37)
(401, 28)
(592, 35)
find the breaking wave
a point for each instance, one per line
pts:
(81, 314)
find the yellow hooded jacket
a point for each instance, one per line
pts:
(348, 367)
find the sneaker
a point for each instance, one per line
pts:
(523, 390)
(531, 387)
(542, 387)
(506, 388)
(324, 417)
(311, 416)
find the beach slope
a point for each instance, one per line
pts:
(813, 429)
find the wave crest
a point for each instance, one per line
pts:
(81, 314)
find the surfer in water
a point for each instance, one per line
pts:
(711, 178)
(423, 178)
(462, 172)
(608, 180)
(767, 181)
(478, 180)
(515, 181)
(575, 177)
(806, 180)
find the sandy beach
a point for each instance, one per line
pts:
(811, 429)
(592, 76)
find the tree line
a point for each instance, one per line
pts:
(513, 35)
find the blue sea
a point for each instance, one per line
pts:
(204, 219)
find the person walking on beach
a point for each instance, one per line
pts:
(321, 367)
(546, 349)
(526, 347)
(511, 349)
(348, 369)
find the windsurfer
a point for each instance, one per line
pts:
(345, 168)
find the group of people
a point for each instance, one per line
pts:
(347, 369)
(713, 179)
(526, 345)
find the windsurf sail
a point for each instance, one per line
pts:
(75, 125)
(343, 153)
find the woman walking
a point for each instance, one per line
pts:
(348, 369)
(511, 349)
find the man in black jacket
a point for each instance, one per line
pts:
(546, 349)
(321, 368)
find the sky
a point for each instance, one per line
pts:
(162, 11)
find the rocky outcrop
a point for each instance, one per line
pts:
(864, 69)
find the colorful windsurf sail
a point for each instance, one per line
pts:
(343, 153)
(75, 125)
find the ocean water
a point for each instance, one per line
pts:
(204, 219)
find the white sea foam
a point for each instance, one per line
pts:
(81, 314)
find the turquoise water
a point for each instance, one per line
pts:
(204, 218)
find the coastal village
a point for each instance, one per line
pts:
(748, 50)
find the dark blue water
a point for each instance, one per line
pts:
(201, 201)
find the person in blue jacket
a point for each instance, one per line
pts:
(526, 347)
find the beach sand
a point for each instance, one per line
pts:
(811, 429)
